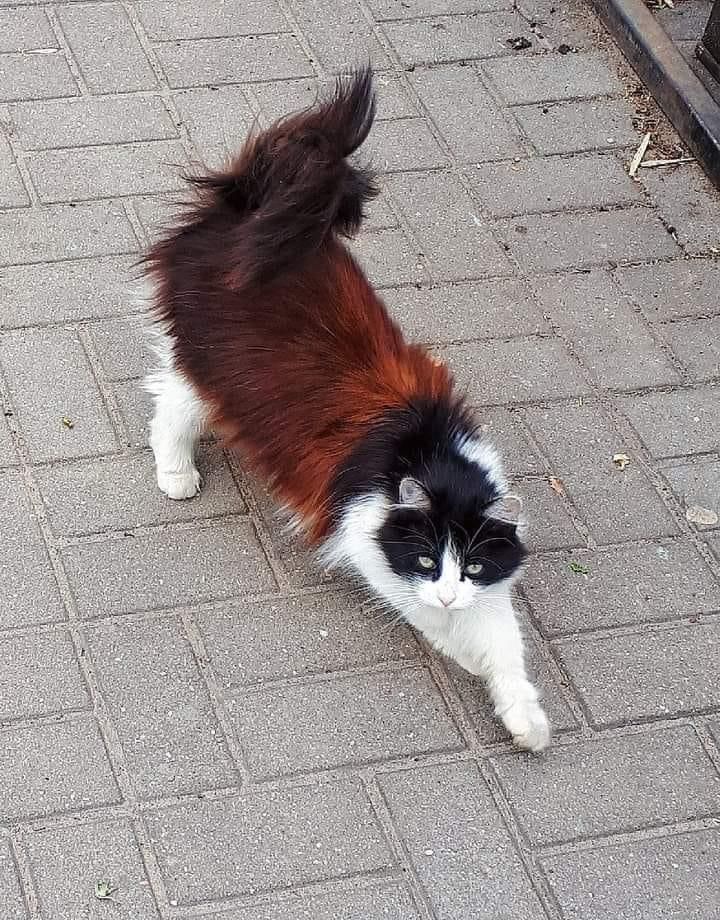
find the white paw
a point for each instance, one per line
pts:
(528, 724)
(179, 485)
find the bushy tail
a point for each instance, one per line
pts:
(291, 185)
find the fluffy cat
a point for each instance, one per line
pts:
(271, 334)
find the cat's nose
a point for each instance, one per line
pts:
(446, 597)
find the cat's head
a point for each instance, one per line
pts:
(447, 539)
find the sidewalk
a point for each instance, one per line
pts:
(192, 714)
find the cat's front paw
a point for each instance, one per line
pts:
(179, 485)
(527, 723)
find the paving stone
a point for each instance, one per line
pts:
(573, 127)
(697, 344)
(68, 861)
(266, 839)
(65, 232)
(124, 346)
(552, 77)
(165, 20)
(504, 431)
(136, 410)
(673, 290)
(607, 334)
(696, 484)
(28, 591)
(10, 892)
(609, 785)
(35, 76)
(687, 202)
(569, 24)
(554, 241)
(616, 504)
(40, 125)
(549, 525)
(541, 184)
(517, 370)
(218, 121)
(290, 637)
(679, 422)
(627, 584)
(119, 493)
(106, 48)
(25, 30)
(167, 568)
(454, 38)
(653, 879)
(172, 741)
(339, 34)
(50, 380)
(685, 23)
(446, 224)
(453, 833)
(473, 126)
(8, 457)
(647, 675)
(389, 257)
(70, 769)
(343, 720)
(156, 213)
(12, 189)
(379, 215)
(402, 144)
(103, 172)
(400, 9)
(39, 676)
(232, 60)
(465, 311)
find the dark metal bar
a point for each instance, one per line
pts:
(679, 92)
(708, 49)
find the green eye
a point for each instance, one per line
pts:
(474, 568)
(425, 562)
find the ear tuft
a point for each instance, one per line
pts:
(506, 509)
(413, 495)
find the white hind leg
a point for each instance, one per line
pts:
(178, 422)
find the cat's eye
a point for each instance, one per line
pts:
(473, 568)
(425, 562)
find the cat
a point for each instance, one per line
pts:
(270, 333)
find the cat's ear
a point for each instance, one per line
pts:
(413, 495)
(506, 509)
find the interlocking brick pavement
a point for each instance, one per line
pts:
(189, 710)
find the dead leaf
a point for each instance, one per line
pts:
(705, 517)
(67, 422)
(557, 485)
(104, 891)
(621, 461)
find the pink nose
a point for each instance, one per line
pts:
(446, 599)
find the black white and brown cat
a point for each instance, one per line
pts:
(270, 333)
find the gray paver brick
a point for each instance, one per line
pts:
(172, 741)
(10, 893)
(68, 861)
(70, 769)
(266, 839)
(673, 290)
(697, 344)
(473, 126)
(28, 591)
(569, 127)
(362, 718)
(123, 346)
(689, 203)
(119, 493)
(136, 410)
(25, 30)
(625, 584)
(106, 48)
(680, 422)
(401, 144)
(35, 76)
(289, 637)
(609, 785)
(607, 335)
(39, 676)
(165, 20)
(103, 172)
(516, 370)
(649, 879)
(696, 484)
(8, 457)
(339, 34)
(553, 77)
(552, 184)
(502, 428)
(660, 674)
(12, 189)
(464, 311)
(40, 125)
(65, 232)
(218, 121)
(446, 223)
(50, 379)
(458, 844)
(554, 241)
(400, 9)
(232, 60)
(389, 257)
(167, 568)
(454, 38)
(549, 525)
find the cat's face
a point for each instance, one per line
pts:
(447, 549)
